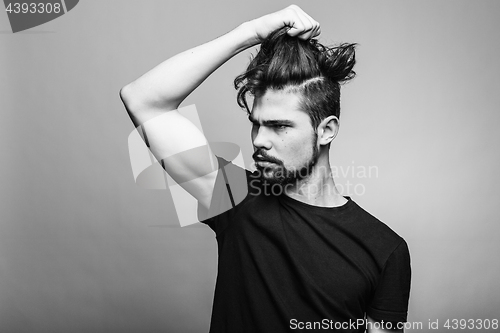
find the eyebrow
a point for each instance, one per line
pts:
(272, 122)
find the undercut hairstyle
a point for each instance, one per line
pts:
(299, 66)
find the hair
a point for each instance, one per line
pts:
(299, 66)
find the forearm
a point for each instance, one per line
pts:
(168, 84)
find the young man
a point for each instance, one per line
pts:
(302, 256)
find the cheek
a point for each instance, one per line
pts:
(297, 150)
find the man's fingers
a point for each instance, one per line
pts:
(297, 26)
(315, 26)
(305, 27)
(301, 25)
(304, 19)
(308, 23)
(316, 30)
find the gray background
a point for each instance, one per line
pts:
(82, 248)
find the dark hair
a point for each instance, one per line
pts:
(303, 66)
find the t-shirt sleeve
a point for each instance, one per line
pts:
(390, 300)
(229, 190)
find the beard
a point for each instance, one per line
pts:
(278, 174)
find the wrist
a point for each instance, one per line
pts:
(248, 34)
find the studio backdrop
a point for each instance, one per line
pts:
(83, 248)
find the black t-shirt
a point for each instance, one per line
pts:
(285, 265)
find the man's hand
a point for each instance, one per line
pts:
(301, 24)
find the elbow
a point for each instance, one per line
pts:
(132, 104)
(142, 103)
(138, 100)
(129, 98)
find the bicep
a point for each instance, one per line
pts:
(182, 150)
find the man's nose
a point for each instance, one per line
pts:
(260, 137)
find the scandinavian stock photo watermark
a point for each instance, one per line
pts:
(354, 176)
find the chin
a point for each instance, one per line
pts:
(273, 177)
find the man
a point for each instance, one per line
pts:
(302, 257)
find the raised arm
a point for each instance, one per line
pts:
(152, 99)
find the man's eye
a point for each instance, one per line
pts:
(280, 127)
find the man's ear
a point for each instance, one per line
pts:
(328, 129)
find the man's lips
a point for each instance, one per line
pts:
(261, 159)
(264, 163)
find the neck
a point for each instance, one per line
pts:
(318, 189)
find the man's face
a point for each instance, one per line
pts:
(285, 148)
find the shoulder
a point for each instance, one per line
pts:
(376, 234)
(373, 223)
